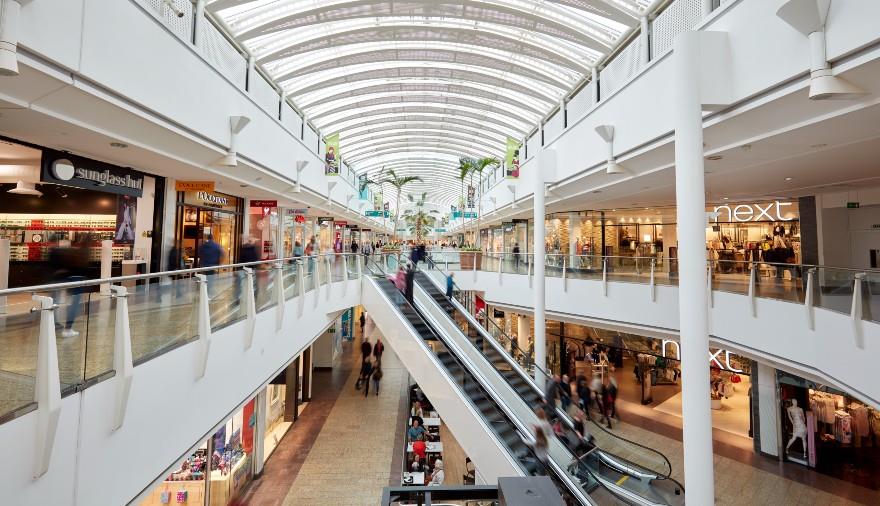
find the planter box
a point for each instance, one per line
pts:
(716, 404)
(467, 259)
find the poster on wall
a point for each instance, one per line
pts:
(511, 161)
(331, 158)
(126, 214)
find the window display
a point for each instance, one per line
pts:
(203, 214)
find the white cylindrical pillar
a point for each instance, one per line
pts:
(574, 231)
(522, 332)
(539, 252)
(693, 301)
(5, 255)
(199, 24)
(260, 408)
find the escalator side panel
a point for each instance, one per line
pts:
(465, 422)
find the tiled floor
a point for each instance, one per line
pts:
(340, 452)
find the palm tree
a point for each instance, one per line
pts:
(471, 166)
(464, 168)
(418, 221)
(398, 183)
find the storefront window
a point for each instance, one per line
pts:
(263, 225)
(203, 214)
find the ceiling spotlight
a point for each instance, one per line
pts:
(714, 158)
(236, 125)
(809, 18)
(789, 178)
(22, 188)
(120, 145)
(725, 198)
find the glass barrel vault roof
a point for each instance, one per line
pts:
(413, 85)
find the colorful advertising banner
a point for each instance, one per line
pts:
(471, 194)
(363, 189)
(511, 161)
(377, 201)
(331, 159)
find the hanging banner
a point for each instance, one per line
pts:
(471, 194)
(364, 191)
(331, 159)
(385, 207)
(511, 161)
(377, 202)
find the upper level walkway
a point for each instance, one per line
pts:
(91, 375)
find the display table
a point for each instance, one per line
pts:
(430, 447)
(226, 487)
(132, 268)
(195, 493)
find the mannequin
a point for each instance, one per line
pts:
(798, 426)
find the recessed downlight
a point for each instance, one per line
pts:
(819, 146)
(725, 198)
(118, 145)
(789, 178)
(714, 158)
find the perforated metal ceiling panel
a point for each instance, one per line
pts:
(414, 85)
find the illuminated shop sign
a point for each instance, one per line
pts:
(71, 170)
(715, 357)
(770, 211)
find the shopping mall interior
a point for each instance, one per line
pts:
(475, 252)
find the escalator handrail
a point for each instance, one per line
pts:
(570, 484)
(443, 370)
(560, 413)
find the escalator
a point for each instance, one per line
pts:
(495, 418)
(634, 473)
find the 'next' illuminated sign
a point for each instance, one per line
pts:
(771, 211)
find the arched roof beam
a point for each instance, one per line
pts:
(545, 18)
(370, 145)
(489, 145)
(397, 71)
(424, 122)
(526, 109)
(512, 97)
(349, 137)
(621, 12)
(427, 56)
(421, 148)
(517, 127)
(485, 35)
(460, 147)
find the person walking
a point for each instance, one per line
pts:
(366, 373)
(378, 349)
(210, 255)
(438, 476)
(516, 257)
(377, 375)
(366, 349)
(363, 321)
(410, 278)
(612, 399)
(248, 253)
(175, 263)
(543, 431)
(450, 284)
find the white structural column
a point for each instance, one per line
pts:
(539, 280)
(574, 231)
(693, 299)
(522, 332)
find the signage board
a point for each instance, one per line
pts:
(211, 199)
(264, 203)
(376, 214)
(440, 230)
(340, 223)
(194, 186)
(714, 357)
(768, 211)
(324, 219)
(294, 211)
(71, 170)
(852, 205)
(467, 214)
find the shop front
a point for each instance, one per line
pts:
(54, 202)
(264, 224)
(829, 430)
(207, 214)
(296, 230)
(216, 473)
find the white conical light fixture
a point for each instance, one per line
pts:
(606, 132)
(236, 125)
(22, 188)
(809, 18)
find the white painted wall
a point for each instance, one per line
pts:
(779, 332)
(169, 410)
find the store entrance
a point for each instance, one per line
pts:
(197, 224)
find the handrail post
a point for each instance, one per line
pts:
(653, 286)
(856, 310)
(709, 283)
(753, 272)
(474, 264)
(500, 264)
(279, 294)
(564, 280)
(122, 361)
(204, 326)
(316, 279)
(301, 274)
(529, 268)
(47, 386)
(605, 276)
(329, 277)
(808, 299)
(250, 306)
(344, 274)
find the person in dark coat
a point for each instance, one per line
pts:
(248, 253)
(366, 349)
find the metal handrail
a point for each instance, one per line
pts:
(135, 277)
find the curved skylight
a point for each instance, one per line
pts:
(414, 85)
